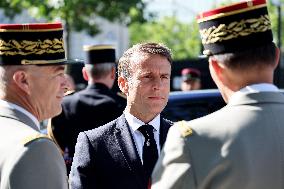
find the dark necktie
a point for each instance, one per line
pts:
(150, 151)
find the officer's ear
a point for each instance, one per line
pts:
(85, 75)
(122, 84)
(22, 81)
(216, 69)
(113, 73)
(277, 57)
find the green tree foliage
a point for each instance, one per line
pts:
(11, 8)
(182, 38)
(79, 14)
(273, 14)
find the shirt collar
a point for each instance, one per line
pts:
(13, 106)
(255, 88)
(135, 123)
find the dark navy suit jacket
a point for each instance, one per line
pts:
(107, 158)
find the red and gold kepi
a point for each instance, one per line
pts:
(98, 54)
(236, 27)
(33, 43)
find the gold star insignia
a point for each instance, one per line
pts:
(184, 128)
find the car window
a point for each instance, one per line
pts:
(188, 109)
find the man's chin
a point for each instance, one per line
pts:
(155, 110)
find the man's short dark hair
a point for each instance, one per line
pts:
(148, 48)
(262, 55)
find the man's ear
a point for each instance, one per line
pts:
(20, 78)
(122, 84)
(216, 69)
(85, 75)
(277, 57)
(113, 73)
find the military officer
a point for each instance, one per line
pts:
(32, 84)
(92, 107)
(191, 79)
(241, 145)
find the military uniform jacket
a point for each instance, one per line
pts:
(239, 146)
(28, 160)
(107, 158)
(87, 109)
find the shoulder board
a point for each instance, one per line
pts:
(184, 128)
(34, 137)
(121, 94)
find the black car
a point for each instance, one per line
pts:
(192, 104)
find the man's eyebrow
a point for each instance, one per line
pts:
(166, 73)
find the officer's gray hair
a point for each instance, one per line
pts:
(6, 76)
(124, 68)
(3, 81)
(99, 71)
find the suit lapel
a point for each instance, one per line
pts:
(164, 128)
(126, 144)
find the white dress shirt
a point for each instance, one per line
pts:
(138, 137)
(13, 106)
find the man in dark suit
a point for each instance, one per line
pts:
(94, 106)
(122, 153)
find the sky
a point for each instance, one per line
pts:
(185, 10)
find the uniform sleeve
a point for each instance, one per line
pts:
(39, 165)
(173, 169)
(82, 166)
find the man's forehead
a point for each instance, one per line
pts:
(53, 68)
(139, 56)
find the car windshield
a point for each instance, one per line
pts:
(193, 104)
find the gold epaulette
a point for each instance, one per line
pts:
(184, 128)
(34, 137)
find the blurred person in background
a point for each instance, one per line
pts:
(91, 107)
(190, 79)
(122, 153)
(32, 85)
(240, 145)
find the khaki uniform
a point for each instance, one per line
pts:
(239, 146)
(28, 159)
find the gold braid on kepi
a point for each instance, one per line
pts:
(235, 27)
(32, 44)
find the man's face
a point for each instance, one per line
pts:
(149, 85)
(47, 90)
